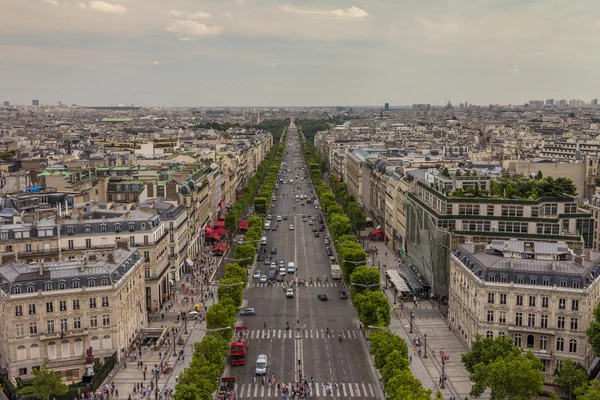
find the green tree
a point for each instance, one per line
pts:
(234, 270)
(47, 383)
(394, 363)
(539, 176)
(334, 209)
(589, 391)
(383, 343)
(244, 254)
(232, 220)
(187, 391)
(445, 172)
(339, 224)
(364, 275)
(570, 376)
(485, 350)
(231, 287)
(373, 308)
(593, 332)
(260, 205)
(221, 315)
(513, 376)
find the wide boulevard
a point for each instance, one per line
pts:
(304, 351)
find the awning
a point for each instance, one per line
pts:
(221, 218)
(216, 236)
(222, 246)
(219, 231)
(219, 224)
(208, 229)
(398, 281)
(243, 225)
(378, 232)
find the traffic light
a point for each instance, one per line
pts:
(400, 252)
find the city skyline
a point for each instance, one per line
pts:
(267, 53)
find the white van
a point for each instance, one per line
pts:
(291, 269)
(263, 241)
(261, 364)
(267, 225)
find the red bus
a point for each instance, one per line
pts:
(239, 346)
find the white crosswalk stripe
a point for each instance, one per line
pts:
(277, 285)
(282, 334)
(345, 390)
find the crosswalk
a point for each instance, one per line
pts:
(349, 390)
(306, 334)
(277, 285)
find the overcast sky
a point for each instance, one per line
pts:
(303, 52)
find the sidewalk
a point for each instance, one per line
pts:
(427, 320)
(127, 374)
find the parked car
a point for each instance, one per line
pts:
(268, 261)
(322, 297)
(274, 250)
(256, 275)
(263, 278)
(321, 228)
(248, 311)
(343, 295)
(317, 235)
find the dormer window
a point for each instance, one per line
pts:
(503, 278)
(546, 281)
(576, 284)
(103, 228)
(31, 288)
(91, 282)
(131, 227)
(520, 279)
(533, 280)
(563, 282)
(143, 225)
(88, 229)
(17, 290)
(69, 230)
(104, 282)
(75, 284)
(47, 286)
(492, 278)
(62, 285)
(117, 228)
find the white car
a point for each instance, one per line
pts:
(269, 217)
(289, 292)
(256, 275)
(263, 278)
(279, 218)
(291, 227)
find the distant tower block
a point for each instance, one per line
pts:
(386, 107)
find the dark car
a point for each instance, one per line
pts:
(322, 297)
(332, 260)
(314, 229)
(280, 278)
(260, 257)
(317, 234)
(268, 260)
(343, 295)
(322, 228)
(329, 252)
(274, 250)
(272, 275)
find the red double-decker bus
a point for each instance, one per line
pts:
(239, 346)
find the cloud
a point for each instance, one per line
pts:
(199, 14)
(514, 70)
(53, 2)
(240, 2)
(155, 63)
(173, 13)
(538, 53)
(102, 6)
(348, 13)
(193, 28)
(228, 15)
(273, 64)
(184, 39)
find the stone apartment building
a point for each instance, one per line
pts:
(54, 311)
(538, 293)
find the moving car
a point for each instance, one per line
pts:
(267, 261)
(248, 311)
(193, 315)
(260, 257)
(289, 292)
(291, 268)
(274, 250)
(272, 275)
(281, 263)
(263, 278)
(310, 222)
(317, 235)
(256, 275)
(343, 295)
(285, 217)
(321, 228)
(291, 227)
(279, 218)
(322, 297)
(261, 364)
(280, 278)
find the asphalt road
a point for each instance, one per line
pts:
(307, 351)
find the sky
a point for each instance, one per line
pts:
(298, 53)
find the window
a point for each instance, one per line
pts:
(132, 241)
(19, 330)
(71, 244)
(490, 210)
(17, 290)
(145, 241)
(547, 229)
(519, 319)
(30, 288)
(8, 248)
(560, 344)
(75, 283)
(92, 302)
(106, 320)
(117, 228)
(104, 282)
(88, 243)
(512, 211)
(88, 229)
(572, 346)
(503, 279)
(545, 281)
(91, 282)
(544, 302)
(520, 281)
(489, 334)
(93, 321)
(76, 304)
(531, 301)
(502, 317)
(50, 307)
(562, 304)
(574, 323)
(560, 322)
(172, 237)
(502, 298)
(62, 285)
(4, 236)
(131, 227)
(575, 305)
(50, 325)
(22, 371)
(18, 310)
(543, 342)
(563, 282)
(531, 320)
(549, 209)
(515, 227)
(533, 280)
(147, 273)
(491, 277)
(519, 300)
(103, 228)
(63, 325)
(76, 323)
(518, 340)
(147, 257)
(33, 328)
(70, 230)
(490, 316)
(477, 226)
(47, 286)
(576, 283)
(105, 301)
(31, 309)
(570, 208)
(28, 247)
(544, 321)
(491, 298)
(501, 334)
(530, 341)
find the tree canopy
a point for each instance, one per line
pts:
(47, 383)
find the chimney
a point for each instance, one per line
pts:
(554, 265)
(41, 268)
(123, 244)
(110, 256)
(578, 260)
(512, 261)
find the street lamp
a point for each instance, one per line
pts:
(412, 317)
(443, 384)
(425, 336)
(366, 286)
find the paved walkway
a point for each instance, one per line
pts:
(128, 373)
(427, 320)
